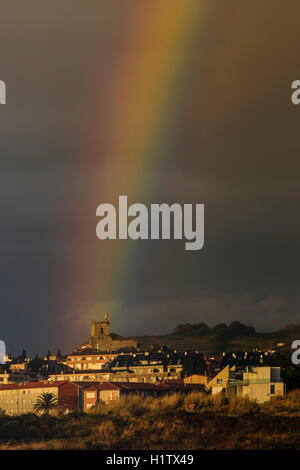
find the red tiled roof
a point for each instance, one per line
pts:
(98, 386)
(149, 386)
(45, 384)
(86, 384)
(158, 386)
(108, 386)
(101, 385)
(87, 389)
(136, 386)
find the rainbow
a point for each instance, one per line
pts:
(125, 149)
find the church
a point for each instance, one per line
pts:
(103, 341)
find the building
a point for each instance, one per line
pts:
(102, 340)
(133, 366)
(221, 380)
(107, 392)
(15, 377)
(100, 392)
(256, 383)
(89, 361)
(146, 368)
(81, 376)
(16, 399)
(147, 373)
(196, 379)
(18, 366)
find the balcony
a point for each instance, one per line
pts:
(252, 381)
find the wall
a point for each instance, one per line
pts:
(19, 401)
(68, 396)
(109, 395)
(261, 392)
(196, 379)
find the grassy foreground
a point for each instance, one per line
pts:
(177, 422)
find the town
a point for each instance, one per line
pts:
(109, 366)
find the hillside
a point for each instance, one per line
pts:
(222, 337)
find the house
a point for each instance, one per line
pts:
(19, 366)
(107, 392)
(257, 383)
(221, 380)
(195, 379)
(99, 392)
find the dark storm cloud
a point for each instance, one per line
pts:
(236, 149)
(232, 144)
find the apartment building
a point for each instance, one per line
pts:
(133, 367)
(89, 361)
(18, 399)
(81, 376)
(144, 368)
(143, 375)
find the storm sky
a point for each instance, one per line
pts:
(231, 141)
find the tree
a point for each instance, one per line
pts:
(22, 356)
(49, 353)
(36, 363)
(59, 354)
(46, 402)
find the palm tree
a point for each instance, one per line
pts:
(46, 402)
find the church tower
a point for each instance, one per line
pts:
(102, 340)
(100, 334)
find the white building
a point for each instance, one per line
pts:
(256, 383)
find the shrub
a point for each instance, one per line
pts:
(243, 406)
(168, 403)
(196, 401)
(131, 405)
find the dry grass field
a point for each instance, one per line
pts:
(178, 422)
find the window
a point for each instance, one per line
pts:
(272, 389)
(90, 395)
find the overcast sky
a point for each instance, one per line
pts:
(231, 141)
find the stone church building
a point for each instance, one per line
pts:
(102, 340)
